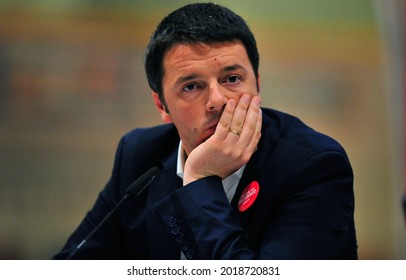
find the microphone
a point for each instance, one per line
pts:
(136, 188)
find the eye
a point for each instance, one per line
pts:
(233, 79)
(190, 87)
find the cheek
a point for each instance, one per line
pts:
(188, 126)
(235, 95)
(184, 112)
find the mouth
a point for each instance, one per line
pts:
(208, 132)
(212, 127)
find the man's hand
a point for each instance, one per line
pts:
(233, 143)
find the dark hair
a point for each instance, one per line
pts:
(196, 23)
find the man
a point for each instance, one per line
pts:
(235, 181)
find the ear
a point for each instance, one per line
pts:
(161, 108)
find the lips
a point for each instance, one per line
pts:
(212, 127)
(208, 132)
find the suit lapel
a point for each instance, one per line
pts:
(257, 169)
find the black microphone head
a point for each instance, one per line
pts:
(142, 182)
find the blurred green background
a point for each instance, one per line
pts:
(72, 83)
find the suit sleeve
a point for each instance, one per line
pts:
(202, 221)
(311, 218)
(315, 216)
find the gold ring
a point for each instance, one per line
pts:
(234, 131)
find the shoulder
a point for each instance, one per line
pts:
(159, 134)
(289, 132)
(289, 147)
(296, 156)
(149, 144)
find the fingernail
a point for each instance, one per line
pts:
(231, 103)
(246, 99)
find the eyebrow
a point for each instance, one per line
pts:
(186, 78)
(233, 67)
(230, 68)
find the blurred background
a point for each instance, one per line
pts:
(72, 83)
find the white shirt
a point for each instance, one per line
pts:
(229, 184)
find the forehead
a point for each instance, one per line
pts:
(181, 55)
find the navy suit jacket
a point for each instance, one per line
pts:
(304, 208)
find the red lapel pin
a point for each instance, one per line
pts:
(248, 196)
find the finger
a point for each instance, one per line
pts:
(251, 121)
(251, 147)
(239, 116)
(226, 117)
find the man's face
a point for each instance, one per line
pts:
(198, 80)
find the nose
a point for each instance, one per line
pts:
(216, 98)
